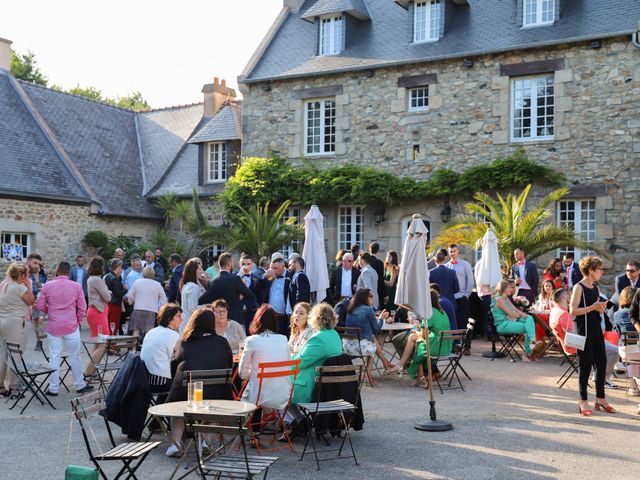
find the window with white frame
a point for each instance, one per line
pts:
(419, 99)
(320, 126)
(426, 21)
(331, 35)
(350, 226)
(532, 108)
(216, 162)
(15, 246)
(579, 216)
(296, 245)
(213, 252)
(538, 12)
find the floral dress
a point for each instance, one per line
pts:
(296, 342)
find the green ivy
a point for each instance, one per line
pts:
(273, 179)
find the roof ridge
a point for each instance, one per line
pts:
(173, 107)
(31, 84)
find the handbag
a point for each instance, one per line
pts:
(78, 472)
(574, 340)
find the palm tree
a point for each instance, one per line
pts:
(167, 203)
(513, 226)
(257, 231)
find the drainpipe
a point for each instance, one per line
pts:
(634, 38)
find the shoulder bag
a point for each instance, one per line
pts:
(573, 339)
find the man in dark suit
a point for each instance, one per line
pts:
(378, 266)
(571, 270)
(249, 305)
(299, 288)
(525, 274)
(175, 261)
(273, 288)
(79, 274)
(629, 278)
(344, 279)
(446, 278)
(229, 287)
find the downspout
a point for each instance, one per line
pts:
(634, 38)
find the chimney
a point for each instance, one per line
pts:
(5, 54)
(215, 94)
(293, 5)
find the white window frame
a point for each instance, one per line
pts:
(8, 250)
(417, 95)
(217, 162)
(351, 224)
(321, 134)
(426, 21)
(331, 35)
(536, 13)
(214, 250)
(296, 245)
(527, 88)
(583, 223)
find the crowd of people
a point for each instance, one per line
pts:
(192, 318)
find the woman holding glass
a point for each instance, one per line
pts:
(227, 328)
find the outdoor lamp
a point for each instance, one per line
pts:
(378, 214)
(445, 214)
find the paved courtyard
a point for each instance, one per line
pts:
(511, 422)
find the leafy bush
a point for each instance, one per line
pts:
(96, 239)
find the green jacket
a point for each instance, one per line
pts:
(322, 345)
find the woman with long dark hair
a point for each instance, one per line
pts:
(97, 311)
(554, 273)
(190, 289)
(391, 270)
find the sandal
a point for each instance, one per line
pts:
(391, 370)
(5, 393)
(421, 382)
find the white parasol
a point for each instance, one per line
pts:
(488, 272)
(314, 255)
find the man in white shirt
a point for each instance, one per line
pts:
(344, 279)
(464, 272)
(571, 269)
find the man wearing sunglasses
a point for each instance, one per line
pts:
(629, 278)
(344, 279)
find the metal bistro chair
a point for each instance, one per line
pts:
(451, 361)
(220, 376)
(508, 342)
(627, 339)
(327, 376)
(117, 349)
(33, 376)
(569, 358)
(64, 359)
(130, 454)
(354, 333)
(219, 463)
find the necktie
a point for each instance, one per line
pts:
(454, 262)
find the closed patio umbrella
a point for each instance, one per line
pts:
(488, 272)
(314, 255)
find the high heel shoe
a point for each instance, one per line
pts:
(607, 408)
(585, 411)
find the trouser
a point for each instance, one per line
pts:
(594, 355)
(71, 343)
(518, 327)
(11, 330)
(628, 354)
(462, 311)
(611, 351)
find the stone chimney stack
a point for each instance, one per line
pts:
(5, 54)
(293, 5)
(215, 94)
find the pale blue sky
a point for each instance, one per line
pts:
(165, 49)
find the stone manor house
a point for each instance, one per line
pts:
(415, 85)
(408, 87)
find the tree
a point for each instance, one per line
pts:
(258, 231)
(25, 67)
(513, 226)
(133, 102)
(91, 93)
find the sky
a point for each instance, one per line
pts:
(165, 49)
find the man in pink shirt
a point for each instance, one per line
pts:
(63, 300)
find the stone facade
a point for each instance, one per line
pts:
(56, 230)
(596, 142)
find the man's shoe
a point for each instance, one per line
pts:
(173, 451)
(38, 346)
(49, 393)
(86, 389)
(608, 384)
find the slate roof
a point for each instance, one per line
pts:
(479, 28)
(30, 164)
(101, 141)
(162, 134)
(355, 8)
(225, 125)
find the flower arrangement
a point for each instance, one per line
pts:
(522, 303)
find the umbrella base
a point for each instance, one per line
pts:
(433, 426)
(494, 355)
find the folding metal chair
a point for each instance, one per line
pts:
(354, 333)
(267, 370)
(628, 339)
(219, 463)
(116, 349)
(33, 376)
(64, 359)
(130, 454)
(312, 410)
(569, 358)
(451, 361)
(508, 343)
(220, 376)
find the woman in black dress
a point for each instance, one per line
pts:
(199, 348)
(586, 310)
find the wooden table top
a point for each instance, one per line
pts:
(219, 407)
(396, 326)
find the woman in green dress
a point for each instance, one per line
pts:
(438, 322)
(391, 270)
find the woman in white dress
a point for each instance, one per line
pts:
(190, 289)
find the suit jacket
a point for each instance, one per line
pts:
(174, 284)
(263, 291)
(299, 289)
(447, 280)
(576, 276)
(378, 266)
(622, 281)
(336, 283)
(530, 274)
(249, 305)
(322, 345)
(74, 276)
(229, 287)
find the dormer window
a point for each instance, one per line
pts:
(216, 162)
(538, 12)
(331, 35)
(426, 21)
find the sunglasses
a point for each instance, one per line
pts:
(631, 271)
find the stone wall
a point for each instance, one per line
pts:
(596, 144)
(56, 230)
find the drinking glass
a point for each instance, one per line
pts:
(198, 395)
(112, 326)
(99, 330)
(241, 346)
